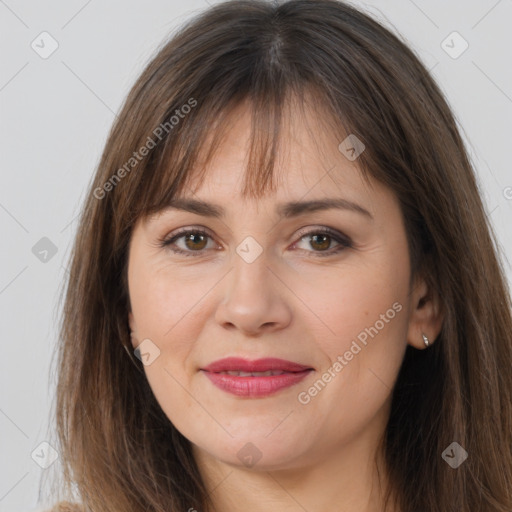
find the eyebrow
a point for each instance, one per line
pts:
(287, 210)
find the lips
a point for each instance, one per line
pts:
(237, 364)
(257, 378)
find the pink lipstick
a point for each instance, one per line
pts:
(257, 378)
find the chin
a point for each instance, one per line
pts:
(256, 452)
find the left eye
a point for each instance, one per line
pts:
(322, 239)
(196, 240)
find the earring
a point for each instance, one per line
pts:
(425, 340)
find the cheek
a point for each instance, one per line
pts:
(367, 302)
(365, 311)
(168, 311)
(165, 304)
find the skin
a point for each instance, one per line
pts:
(289, 303)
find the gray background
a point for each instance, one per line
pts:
(55, 116)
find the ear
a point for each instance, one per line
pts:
(133, 330)
(426, 315)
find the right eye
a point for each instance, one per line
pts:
(195, 240)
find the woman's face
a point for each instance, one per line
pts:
(265, 284)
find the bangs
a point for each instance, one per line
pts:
(182, 159)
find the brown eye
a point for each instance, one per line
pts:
(194, 241)
(321, 240)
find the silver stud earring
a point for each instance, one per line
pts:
(425, 340)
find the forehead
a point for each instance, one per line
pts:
(308, 162)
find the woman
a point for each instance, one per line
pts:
(324, 325)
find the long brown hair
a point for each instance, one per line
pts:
(119, 451)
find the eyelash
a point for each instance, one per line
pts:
(344, 241)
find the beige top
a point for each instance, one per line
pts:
(63, 506)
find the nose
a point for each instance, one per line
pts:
(255, 299)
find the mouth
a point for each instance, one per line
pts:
(253, 374)
(256, 378)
